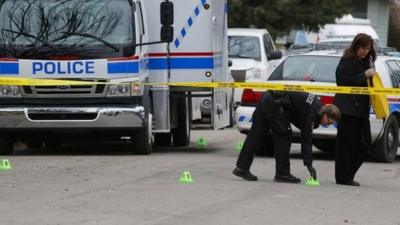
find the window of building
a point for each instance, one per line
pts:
(360, 8)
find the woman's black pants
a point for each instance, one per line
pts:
(353, 138)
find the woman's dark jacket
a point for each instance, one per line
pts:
(351, 72)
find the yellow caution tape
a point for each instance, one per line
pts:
(253, 85)
(292, 88)
(42, 82)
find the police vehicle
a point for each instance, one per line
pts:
(318, 68)
(117, 45)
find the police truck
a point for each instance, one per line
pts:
(128, 51)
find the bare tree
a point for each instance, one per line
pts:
(53, 24)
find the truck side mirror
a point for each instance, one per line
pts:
(167, 20)
(167, 13)
(230, 63)
(275, 55)
(167, 34)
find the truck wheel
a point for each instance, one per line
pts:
(181, 134)
(142, 139)
(54, 143)
(6, 145)
(34, 144)
(162, 139)
(267, 149)
(325, 145)
(385, 150)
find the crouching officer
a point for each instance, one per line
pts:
(274, 112)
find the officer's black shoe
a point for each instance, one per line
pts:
(350, 183)
(286, 179)
(245, 174)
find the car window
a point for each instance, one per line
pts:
(247, 47)
(307, 68)
(395, 72)
(269, 48)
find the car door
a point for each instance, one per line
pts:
(394, 68)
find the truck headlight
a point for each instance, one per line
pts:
(125, 89)
(136, 88)
(9, 91)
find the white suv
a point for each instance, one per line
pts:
(318, 68)
(253, 55)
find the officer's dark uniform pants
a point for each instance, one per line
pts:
(353, 138)
(256, 138)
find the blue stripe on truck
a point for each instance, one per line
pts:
(189, 22)
(182, 63)
(9, 68)
(123, 67)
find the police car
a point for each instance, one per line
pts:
(318, 68)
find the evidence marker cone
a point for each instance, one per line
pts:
(185, 178)
(201, 142)
(312, 182)
(239, 146)
(5, 165)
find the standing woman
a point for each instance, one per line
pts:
(353, 130)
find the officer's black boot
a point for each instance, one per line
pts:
(287, 178)
(245, 174)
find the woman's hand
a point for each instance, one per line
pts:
(370, 72)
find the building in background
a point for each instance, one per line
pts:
(394, 24)
(377, 11)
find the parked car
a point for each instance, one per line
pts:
(253, 55)
(318, 68)
(393, 53)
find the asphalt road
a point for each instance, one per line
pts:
(104, 184)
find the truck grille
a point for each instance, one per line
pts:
(161, 112)
(66, 91)
(63, 116)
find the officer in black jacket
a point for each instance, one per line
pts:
(274, 112)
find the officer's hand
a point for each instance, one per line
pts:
(312, 171)
(370, 72)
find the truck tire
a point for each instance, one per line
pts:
(54, 143)
(181, 134)
(6, 145)
(162, 139)
(267, 149)
(385, 150)
(325, 145)
(142, 139)
(34, 144)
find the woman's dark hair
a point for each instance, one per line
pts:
(361, 41)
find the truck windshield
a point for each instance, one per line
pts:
(244, 47)
(42, 29)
